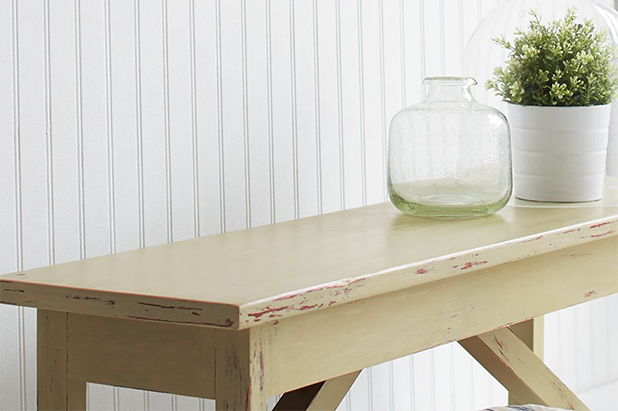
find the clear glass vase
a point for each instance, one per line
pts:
(449, 156)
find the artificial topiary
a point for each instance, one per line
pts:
(564, 63)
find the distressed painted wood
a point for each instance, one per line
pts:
(323, 396)
(362, 252)
(429, 315)
(521, 371)
(532, 334)
(56, 390)
(249, 314)
(172, 358)
(241, 363)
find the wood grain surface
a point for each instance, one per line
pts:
(240, 279)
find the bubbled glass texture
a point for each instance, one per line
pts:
(449, 156)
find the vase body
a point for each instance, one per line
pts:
(449, 156)
(559, 153)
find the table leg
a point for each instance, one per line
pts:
(240, 367)
(55, 390)
(323, 396)
(520, 371)
(531, 332)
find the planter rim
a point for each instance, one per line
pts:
(565, 108)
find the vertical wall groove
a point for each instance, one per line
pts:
(370, 389)
(80, 129)
(168, 139)
(402, 51)
(18, 197)
(110, 130)
(423, 59)
(318, 132)
(361, 105)
(138, 122)
(460, 9)
(48, 137)
(383, 99)
(442, 45)
(342, 191)
(245, 114)
(294, 110)
(412, 386)
(269, 86)
(220, 117)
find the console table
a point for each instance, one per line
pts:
(301, 307)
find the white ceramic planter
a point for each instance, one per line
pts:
(612, 148)
(559, 153)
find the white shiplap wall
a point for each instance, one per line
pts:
(130, 123)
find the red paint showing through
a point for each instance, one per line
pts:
(602, 235)
(600, 224)
(532, 239)
(471, 264)
(590, 293)
(261, 370)
(421, 271)
(269, 310)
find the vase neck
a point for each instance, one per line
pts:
(449, 89)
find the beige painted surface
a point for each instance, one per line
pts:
(172, 358)
(241, 279)
(523, 373)
(393, 325)
(56, 389)
(494, 273)
(532, 333)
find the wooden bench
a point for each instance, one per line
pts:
(301, 307)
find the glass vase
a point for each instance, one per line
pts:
(449, 156)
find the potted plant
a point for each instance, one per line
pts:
(559, 81)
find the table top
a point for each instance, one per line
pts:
(244, 278)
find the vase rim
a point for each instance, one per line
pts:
(450, 81)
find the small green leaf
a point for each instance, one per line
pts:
(563, 63)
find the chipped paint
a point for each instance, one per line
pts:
(170, 307)
(603, 234)
(227, 324)
(261, 368)
(421, 271)
(590, 294)
(601, 224)
(86, 298)
(269, 310)
(529, 240)
(471, 264)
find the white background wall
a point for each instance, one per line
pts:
(130, 123)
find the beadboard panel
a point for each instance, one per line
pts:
(131, 123)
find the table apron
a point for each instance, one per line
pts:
(175, 359)
(317, 346)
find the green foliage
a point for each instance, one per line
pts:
(563, 63)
